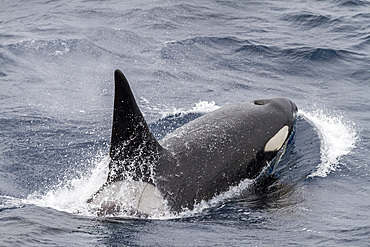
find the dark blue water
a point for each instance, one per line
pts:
(184, 59)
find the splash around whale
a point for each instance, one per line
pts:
(194, 163)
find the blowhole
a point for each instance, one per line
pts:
(260, 102)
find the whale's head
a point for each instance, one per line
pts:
(278, 105)
(281, 113)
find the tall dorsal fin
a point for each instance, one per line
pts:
(132, 143)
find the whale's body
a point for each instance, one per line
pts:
(195, 162)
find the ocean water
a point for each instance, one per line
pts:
(184, 59)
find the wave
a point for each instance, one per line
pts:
(45, 47)
(352, 3)
(222, 50)
(201, 47)
(8, 202)
(310, 20)
(338, 138)
(94, 49)
(6, 61)
(319, 54)
(300, 53)
(71, 196)
(176, 117)
(59, 47)
(363, 42)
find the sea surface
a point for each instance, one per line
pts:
(184, 59)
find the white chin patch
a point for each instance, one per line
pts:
(277, 141)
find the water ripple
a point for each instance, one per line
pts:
(309, 19)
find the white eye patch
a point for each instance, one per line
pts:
(277, 141)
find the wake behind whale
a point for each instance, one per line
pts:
(196, 162)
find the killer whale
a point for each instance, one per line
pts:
(195, 162)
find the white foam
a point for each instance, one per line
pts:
(9, 202)
(232, 192)
(200, 107)
(72, 196)
(338, 138)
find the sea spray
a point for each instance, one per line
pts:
(200, 107)
(71, 196)
(338, 138)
